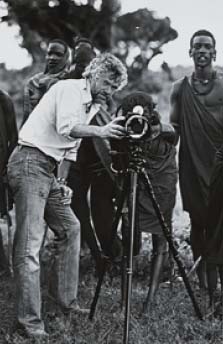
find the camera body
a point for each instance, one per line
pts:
(138, 125)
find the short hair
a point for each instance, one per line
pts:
(108, 63)
(78, 40)
(134, 99)
(202, 33)
(59, 41)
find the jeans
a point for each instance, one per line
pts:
(37, 197)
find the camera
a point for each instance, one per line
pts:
(138, 125)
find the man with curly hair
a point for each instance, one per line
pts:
(52, 133)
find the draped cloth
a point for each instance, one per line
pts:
(214, 229)
(162, 171)
(200, 136)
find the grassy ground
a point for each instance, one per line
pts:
(172, 319)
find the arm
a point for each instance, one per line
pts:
(10, 121)
(68, 117)
(110, 130)
(26, 104)
(168, 132)
(175, 111)
(63, 169)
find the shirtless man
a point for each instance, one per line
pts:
(197, 116)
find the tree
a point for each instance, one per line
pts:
(136, 38)
(141, 32)
(41, 20)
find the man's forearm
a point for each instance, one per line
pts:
(63, 169)
(83, 130)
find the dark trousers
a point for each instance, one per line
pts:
(101, 210)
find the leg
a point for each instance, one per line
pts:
(212, 277)
(3, 259)
(65, 269)
(198, 244)
(102, 207)
(30, 180)
(79, 181)
(159, 256)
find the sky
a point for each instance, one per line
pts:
(187, 16)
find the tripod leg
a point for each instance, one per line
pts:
(212, 276)
(125, 229)
(168, 236)
(114, 232)
(158, 260)
(123, 281)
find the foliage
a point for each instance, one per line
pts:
(42, 20)
(66, 19)
(145, 33)
(136, 38)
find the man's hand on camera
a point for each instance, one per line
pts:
(114, 129)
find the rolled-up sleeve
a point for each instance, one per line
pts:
(68, 109)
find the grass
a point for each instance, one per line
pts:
(172, 320)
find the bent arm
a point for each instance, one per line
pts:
(10, 120)
(110, 130)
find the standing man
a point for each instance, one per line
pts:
(197, 116)
(82, 54)
(8, 141)
(57, 67)
(52, 132)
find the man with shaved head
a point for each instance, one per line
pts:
(197, 116)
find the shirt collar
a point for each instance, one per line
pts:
(87, 98)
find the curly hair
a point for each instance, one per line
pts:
(108, 63)
(136, 98)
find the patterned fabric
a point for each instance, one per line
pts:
(161, 169)
(40, 83)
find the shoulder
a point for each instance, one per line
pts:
(219, 78)
(68, 85)
(177, 85)
(35, 77)
(4, 96)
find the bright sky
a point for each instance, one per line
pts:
(186, 16)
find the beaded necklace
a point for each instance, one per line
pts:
(206, 82)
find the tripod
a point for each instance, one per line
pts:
(130, 185)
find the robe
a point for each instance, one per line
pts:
(200, 137)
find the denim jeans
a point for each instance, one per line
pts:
(37, 197)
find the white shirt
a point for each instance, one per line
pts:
(50, 123)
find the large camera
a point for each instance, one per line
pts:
(138, 124)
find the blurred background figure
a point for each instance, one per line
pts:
(58, 62)
(82, 54)
(8, 140)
